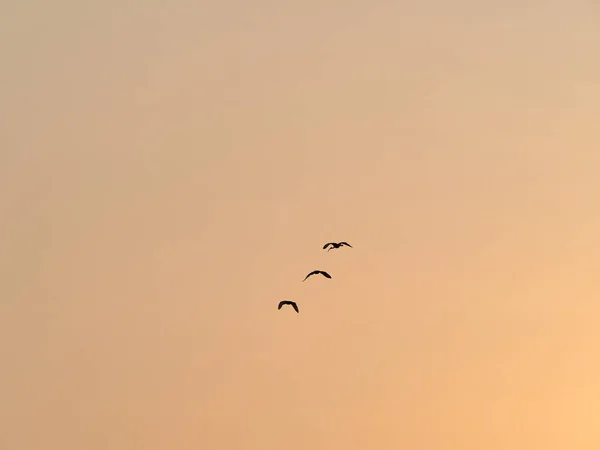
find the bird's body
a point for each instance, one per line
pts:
(316, 272)
(335, 245)
(288, 302)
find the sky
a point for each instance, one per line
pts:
(169, 171)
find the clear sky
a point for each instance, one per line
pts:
(169, 171)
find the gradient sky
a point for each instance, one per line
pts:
(169, 172)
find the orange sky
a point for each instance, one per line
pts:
(169, 172)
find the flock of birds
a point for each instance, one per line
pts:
(331, 245)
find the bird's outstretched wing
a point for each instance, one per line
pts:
(345, 243)
(281, 303)
(329, 243)
(294, 306)
(312, 273)
(325, 274)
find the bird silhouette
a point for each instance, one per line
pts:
(315, 272)
(335, 245)
(287, 302)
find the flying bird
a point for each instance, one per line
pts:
(316, 272)
(287, 302)
(335, 245)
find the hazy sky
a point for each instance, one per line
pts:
(169, 171)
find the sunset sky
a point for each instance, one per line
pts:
(169, 171)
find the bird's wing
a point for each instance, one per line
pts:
(281, 304)
(312, 273)
(345, 243)
(325, 246)
(325, 274)
(294, 306)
